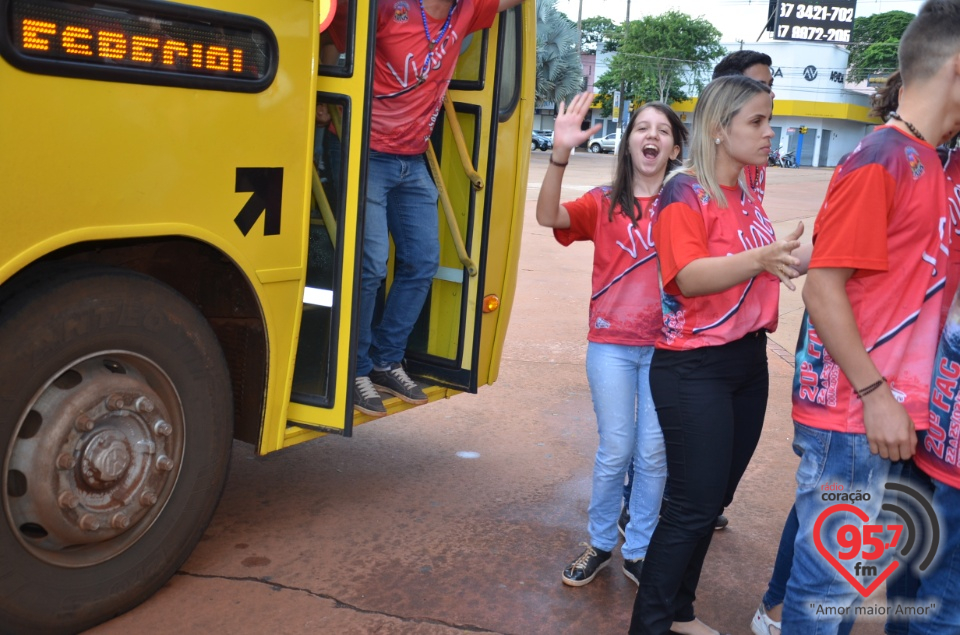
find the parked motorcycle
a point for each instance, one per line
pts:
(786, 160)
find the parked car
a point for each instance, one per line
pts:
(541, 143)
(603, 144)
(546, 134)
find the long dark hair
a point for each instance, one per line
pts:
(621, 194)
(887, 97)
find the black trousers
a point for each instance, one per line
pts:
(710, 402)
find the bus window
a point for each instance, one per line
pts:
(470, 66)
(312, 381)
(510, 69)
(337, 40)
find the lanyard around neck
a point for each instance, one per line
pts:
(432, 43)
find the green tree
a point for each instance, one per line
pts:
(598, 34)
(559, 71)
(662, 56)
(876, 39)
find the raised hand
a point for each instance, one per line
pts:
(566, 130)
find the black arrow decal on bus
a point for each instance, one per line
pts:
(267, 187)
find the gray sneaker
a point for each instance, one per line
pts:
(366, 399)
(396, 382)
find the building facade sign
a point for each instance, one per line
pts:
(830, 21)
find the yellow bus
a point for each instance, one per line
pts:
(176, 270)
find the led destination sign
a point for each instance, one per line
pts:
(140, 42)
(828, 21)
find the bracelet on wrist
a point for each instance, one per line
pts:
(863, 392)
(559, 165)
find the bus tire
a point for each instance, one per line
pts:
(115, 435)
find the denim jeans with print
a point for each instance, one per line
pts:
(940, 584)
(819, 600)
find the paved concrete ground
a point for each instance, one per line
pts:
(393, 532)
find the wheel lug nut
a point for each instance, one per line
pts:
(66, 461)
(119, 521)
(84, 423)
(67, 500)
(114, 402)
(143, 404)
(164, 463)
(162, 428)
(89, 523)
(148, 498)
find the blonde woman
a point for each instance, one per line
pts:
(721, 267)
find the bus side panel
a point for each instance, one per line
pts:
(86, 162)
(511, 163)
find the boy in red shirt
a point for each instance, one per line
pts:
(418, 44)
(937, 449)
(873, 296)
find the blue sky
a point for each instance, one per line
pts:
(736, 19)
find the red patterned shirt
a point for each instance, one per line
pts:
(688, 226)
(625, 300)
(883, 217)
(410, 79)
(938, 453)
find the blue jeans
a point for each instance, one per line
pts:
(777, 587)
(627, 423)
(940, 584)
(402, 204)
(818, 598)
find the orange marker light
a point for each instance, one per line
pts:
(491, 303)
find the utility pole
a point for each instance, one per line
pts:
(622, 124)
(580, 30)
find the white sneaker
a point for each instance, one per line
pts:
(762, 624)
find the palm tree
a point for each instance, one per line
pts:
(559, 72)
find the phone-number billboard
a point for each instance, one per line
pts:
(830, 21)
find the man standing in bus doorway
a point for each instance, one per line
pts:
(418, 43)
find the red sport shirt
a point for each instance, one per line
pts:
(688, 225)
(883, 217)
(625, 300)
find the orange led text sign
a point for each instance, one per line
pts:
(140, 42)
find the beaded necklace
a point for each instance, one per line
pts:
(910, 126)
(432, 43)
